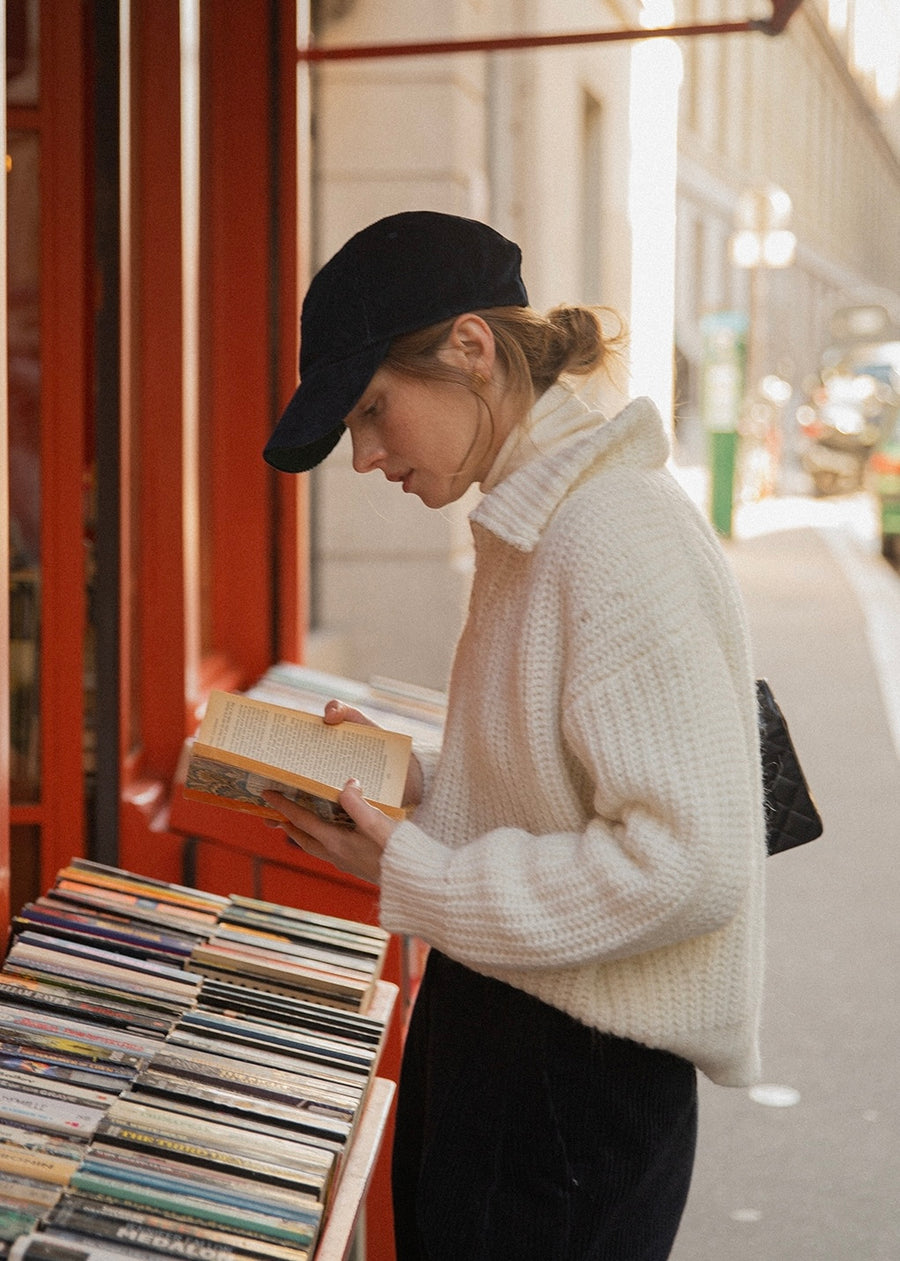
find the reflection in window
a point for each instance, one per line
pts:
(22, 82)
(23, 211)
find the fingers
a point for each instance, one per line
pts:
(357, 851)
(337, 711)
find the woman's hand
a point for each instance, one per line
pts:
(337, 711)
(354, 850)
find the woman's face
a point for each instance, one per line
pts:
(436, 438)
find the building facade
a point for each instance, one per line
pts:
(619, 168)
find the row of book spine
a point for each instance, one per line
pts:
(181, 1074)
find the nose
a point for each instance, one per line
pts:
(368, 452)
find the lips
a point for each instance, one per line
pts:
(400, 477)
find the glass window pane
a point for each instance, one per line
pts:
(22, 66)
(24, 463)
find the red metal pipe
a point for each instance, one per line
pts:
(506, 43)
(782, 11)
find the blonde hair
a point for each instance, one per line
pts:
(534, 350)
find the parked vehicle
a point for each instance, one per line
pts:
(848, 425)
(840, 427)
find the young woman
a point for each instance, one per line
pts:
(585, 856)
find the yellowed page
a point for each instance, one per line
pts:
(304, 745)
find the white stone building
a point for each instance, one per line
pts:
(618, 167)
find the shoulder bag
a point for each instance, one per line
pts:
(791, 815)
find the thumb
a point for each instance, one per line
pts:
(368, 818)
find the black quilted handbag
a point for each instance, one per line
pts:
(791, 815)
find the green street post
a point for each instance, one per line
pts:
(721, 399)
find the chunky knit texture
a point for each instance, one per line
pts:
(592, 831)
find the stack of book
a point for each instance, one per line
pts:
(180, 1073)
(418, 712)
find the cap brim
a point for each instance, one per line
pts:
(302, 459)
(312, 423)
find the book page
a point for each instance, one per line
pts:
(303, 744)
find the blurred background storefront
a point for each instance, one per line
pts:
(176, 171)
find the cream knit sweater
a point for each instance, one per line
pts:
(592, 831)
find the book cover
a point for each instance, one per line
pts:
(92, 1041)
(126, 934)
(280, 1040)
(241, 1051)
(16, 1218)
(218, 1184)
(28, 1188)
(148, 888)
(239, 905)
(216, 1133)
(247, 1109)
(181, 1205)
(245, 746)
(287, 975)
(50, 1246)
(114, 1011)
(47, 1087)
(120, 1224)
(291, 1012)
(34, 1140)
(259, 944)
(90, 1002)
(143, 1137)
(52, 1115)
(304, 1092)
(34, 1164)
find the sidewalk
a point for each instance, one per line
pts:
(810, 1165)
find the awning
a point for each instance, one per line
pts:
(782, 12)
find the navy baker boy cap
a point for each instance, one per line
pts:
(401, 274)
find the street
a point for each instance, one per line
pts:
(809, 1166)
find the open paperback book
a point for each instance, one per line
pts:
(246, 746)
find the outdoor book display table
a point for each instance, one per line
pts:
(186, 1074)
(222, 843)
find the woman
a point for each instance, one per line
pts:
(585, 856)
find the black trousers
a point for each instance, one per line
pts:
(522, 1134)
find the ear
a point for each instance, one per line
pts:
(470, 345)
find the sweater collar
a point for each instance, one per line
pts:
(562, 440)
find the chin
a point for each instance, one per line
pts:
(438, 498)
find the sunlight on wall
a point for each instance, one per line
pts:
(871, 31)
(656, 74)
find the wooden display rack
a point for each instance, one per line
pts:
(339, 1233)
